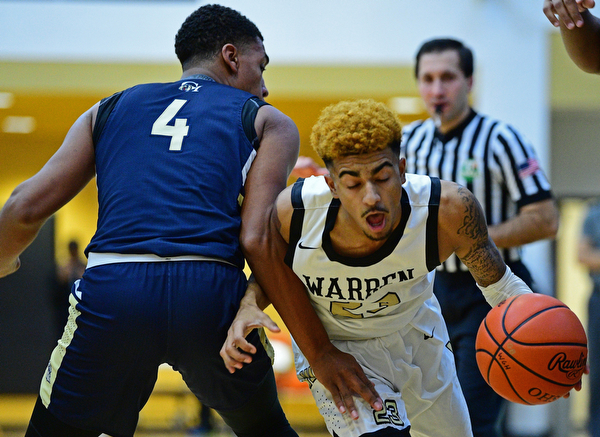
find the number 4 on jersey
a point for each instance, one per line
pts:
(176, 131)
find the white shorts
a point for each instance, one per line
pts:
(415, 375)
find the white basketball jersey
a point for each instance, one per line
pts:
(373, 296)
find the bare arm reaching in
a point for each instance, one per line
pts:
(265, 251)
(580, 31)
(35, 200)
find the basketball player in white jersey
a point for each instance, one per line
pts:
(366, 240)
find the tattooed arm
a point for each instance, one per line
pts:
(462, 230)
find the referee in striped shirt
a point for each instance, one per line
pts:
(495, 162)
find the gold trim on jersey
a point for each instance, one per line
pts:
(59, 351)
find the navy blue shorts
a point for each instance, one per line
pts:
(125, 320)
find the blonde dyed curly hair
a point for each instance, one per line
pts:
(355, 127)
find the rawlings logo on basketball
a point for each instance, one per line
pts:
(531, 349)
(572, 368)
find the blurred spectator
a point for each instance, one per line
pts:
(589, 256)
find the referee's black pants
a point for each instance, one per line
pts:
(464, 308)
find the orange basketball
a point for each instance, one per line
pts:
(531, 349)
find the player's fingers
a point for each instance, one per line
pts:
(344, 400)
(339, 400)
(368, 393)
(234, 356)
(585, 4)
(236, 350)
(550, 13)
(568, 13)
(237, 346)
(268, 323)
(230, 364)
(349, 406)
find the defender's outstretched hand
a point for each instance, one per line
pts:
(236, 350)
(577, 387)
(336, 370)
(567, 12)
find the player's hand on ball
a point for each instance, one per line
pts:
(577, 387)
(532, 349)
(9, 268)
(236, 350)
(567, 12)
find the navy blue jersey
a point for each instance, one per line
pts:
(171, 163)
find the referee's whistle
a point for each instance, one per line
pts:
(437, 117)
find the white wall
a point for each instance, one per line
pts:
(509, 38)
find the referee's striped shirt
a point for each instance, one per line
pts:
(487, 156)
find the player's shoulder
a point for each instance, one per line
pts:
(283, 205)
(307, 194)
(307, 198)
(415, 183)
(269, 111)
(453, 196)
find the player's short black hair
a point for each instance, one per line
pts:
(465, 54)
(208, 29)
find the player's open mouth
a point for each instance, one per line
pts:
(376, 221)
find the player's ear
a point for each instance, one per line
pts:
(402, 169)
(230, 53)
(331, 184)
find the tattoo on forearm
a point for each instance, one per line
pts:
(473, 224)
(483, 261)
(483, 258)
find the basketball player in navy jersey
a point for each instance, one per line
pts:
(366, 240)
(173, 163)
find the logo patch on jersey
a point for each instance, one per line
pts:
(307, 375)
(49, 372)
(188, 86)
(528, 168)
(469, 170)
(78, 293)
